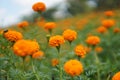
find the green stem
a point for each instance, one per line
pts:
(97, 61)
(108, 78)
(34, 71)
(60, 67)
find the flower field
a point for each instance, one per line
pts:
(83, 47)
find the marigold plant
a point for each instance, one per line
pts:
(116, 30)
(23, 24)
(12, 35)
(73, 67)
(98, 49)
(39, 7)
(93, 40)
(25, 47)
(108, 23)
(37, 55)
(50, 25)
(101, 29)
(55, 62)
(116, 76)
(109, 13)
(56, 40)
(80, 51)
(69, 35)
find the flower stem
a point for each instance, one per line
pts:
(97, 61)
(34, 71)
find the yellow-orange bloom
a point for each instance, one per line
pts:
(116, 30)
(37, 55)
(69, 35)
(108, 23)
(56, 40)
(73, 67)
(101, 29)
(98, 49)
(50, 25)
(93, 40)
(80, 51)
(23, 24)
(39, 7)
(25, 47)
(55, 62)
(109, 13)
(116, 76)
(13, 35)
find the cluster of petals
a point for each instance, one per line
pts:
(12, 36)
(25, 47)
(56, 40)
(73, 67)
(69, 35)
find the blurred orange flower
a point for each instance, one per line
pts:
(73, 67)
(39, 7)
(80, 51)
(12, 35)
(25, 47)
(37, 55)
(69, 35)
(55, 62)
(93, 40)
(108, 23)
(109, 13)
(116, 76)
(50, 25)
(23, 24)
(116, 30)
(56, 40)
(98, 49)
(101, 29)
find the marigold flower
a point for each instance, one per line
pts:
(108, 23)
(80, 51)
(109, 13)
(56, 40)
(25, 47)
(116, 30)
(88, 49)
(37, 55)
(101, 29)
(39, 7)
(69, 35)
(23, 24)
(12, 35)
(116, 76)
(98, 49)
(55, 62)
(73, 67)
(93, 40)
(50, 25)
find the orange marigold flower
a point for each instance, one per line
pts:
(109, 13)
(25, 47)
(108, 23)
(23, 24)
(93, 40)
(98, 49)
(101, 29)
(73, 67)
(39, 7)
(55, 62)
(50, 25)
(80, 51)
(37, 55)
(12, 35)
(56, 40)
(116, 76)
(88, 49)
(116, 30)
(69, 35)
